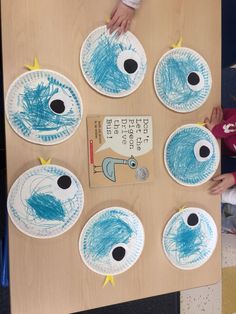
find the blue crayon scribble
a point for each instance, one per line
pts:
(188, 241)
(111, 241)
(104, 235)
(101, 67)
(46, 206)
(171, 81)
(47, 209)
(36, 119)
(104, 69)
(186, 245)
(181, 160)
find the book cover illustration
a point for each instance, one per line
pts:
(120, 150)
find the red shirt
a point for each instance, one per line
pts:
(226, 130)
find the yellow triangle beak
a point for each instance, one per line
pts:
(44, 161)
(109, 278)
(34, 66)
(178, 44)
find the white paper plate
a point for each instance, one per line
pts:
(111, 241)
(191, 155)
(43, 107)
(45, 201)
(113, 65)
(182, 80)
(189, 238)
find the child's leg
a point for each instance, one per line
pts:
(228, 218)
(228, 164)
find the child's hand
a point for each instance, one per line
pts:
(225, 181)
(216, 118)
(121, 17)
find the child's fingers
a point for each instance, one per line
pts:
(219, 114)
(127, 26)
(214, 114)
(218, 189)
(116, 25)
(206, 120)
(218, 178)
(207, 123)
(112, 22)
(122, 27)
(113, 11)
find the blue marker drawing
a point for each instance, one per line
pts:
(191, 155)
(189, 238)
(182, 80)
(45, 201)
(109, 164)
(43, 107)
(111, 241)
(113, 65)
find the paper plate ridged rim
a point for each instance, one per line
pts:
(30, 76)
(167, 226)
(92, 220)
(197, 104)
(17, 185)
(103, 29)
(216, 147)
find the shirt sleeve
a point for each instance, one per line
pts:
(226, 128)
(132, 3)
(229, 196)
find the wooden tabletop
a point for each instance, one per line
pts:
(48, 276)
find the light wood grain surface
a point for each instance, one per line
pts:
(48, 276)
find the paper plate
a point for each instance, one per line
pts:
(182, 80)
(189, 238)
(191, 155)
(43, 107)
(111, 241)
(45, 201)
(113, 65)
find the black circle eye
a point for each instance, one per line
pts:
(192, 220)
(204, 151)
(133, 164)
(118, 253)
(193, 78)
(57, 106)
(130, 66)
(64, 182)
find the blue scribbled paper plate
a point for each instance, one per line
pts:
(111, 241)
(113, 65)
(182, 80)
(43, 107)
(45, 201)
(191, 155)
(189, 238)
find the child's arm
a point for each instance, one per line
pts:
(215, 119)
(224, 181)
(220, 128)
(229, 196)
(122, 15)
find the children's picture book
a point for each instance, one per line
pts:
(120, 150)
